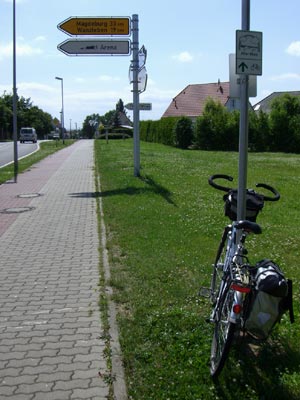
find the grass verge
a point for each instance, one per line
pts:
(163, 230)
(46, 148)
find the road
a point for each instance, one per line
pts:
(7, 151)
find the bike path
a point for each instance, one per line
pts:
(50, 328)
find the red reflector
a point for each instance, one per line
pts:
(237, 308)
(241, 289)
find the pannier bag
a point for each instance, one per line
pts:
(271, 297)
(254, 203)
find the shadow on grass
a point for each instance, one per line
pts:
(152, 186)
(265, 372)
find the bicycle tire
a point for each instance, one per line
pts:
(217, 274)
(223, 333)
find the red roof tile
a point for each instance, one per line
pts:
(191, 101)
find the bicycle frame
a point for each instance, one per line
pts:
(233, 260)
(233, 277)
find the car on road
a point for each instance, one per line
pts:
(28, 135)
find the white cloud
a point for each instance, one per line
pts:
(35, 86)
(92, 99)
(183, 57)
(40, 39)
(108, 78)
(80, 80)
(17, 1)
(284, 77)
(22, 49)
(294, 49)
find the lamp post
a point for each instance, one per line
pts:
(62, 108)
(15, 98)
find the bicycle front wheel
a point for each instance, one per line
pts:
(219, 265)
(223, 333)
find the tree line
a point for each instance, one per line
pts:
(218, 128)
(27, 115)
(96, 124)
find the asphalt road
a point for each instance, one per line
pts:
(7, 151)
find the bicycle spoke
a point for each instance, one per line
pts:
(223, 333)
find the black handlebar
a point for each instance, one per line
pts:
(271, 189)
(219, 187)
(226, 189)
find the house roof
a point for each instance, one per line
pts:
(190, 101)
(265, 104)
(124, 120)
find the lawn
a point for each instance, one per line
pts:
(46, 148)
(163, 229)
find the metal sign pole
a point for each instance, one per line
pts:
(243, 135)
(136, 111)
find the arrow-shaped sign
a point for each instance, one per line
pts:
(142, 106)
(243, 66)
(95, 26)
(79, 47)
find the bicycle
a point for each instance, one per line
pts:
(233, 278)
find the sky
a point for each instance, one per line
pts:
(187, 42)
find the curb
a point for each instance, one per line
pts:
(119, 384)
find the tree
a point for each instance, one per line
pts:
(231, 131)
(27, 115)
(41, 120)
(284, 123)
(183, 132)
(111, 119)
(212, 127)
(108, 118)
(120, 107)
(90, 125)
(259, 131)
(5, 120)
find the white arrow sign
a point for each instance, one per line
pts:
(248, 52)
(142, 106)
(79, 47)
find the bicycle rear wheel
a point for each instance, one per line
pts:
(223, 333)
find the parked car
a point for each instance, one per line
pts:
(28, 135)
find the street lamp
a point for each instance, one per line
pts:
(62, 108)
(15, 97)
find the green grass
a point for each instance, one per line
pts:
(163, 231)
(46, 148)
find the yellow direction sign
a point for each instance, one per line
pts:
(94, 26)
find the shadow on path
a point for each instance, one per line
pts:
(152, 186)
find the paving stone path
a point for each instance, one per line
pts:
(50, 328)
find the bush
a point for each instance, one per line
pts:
(285, 124)
(213, 127)
(218, 128)
(183, 132)
(161, 131)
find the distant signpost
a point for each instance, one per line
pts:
(142, 106)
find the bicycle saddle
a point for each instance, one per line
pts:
(249, 226)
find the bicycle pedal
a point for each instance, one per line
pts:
(204, 292)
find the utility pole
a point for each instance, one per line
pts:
(15, 98)
(62, 109)
(136, 101)
(243, 133)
